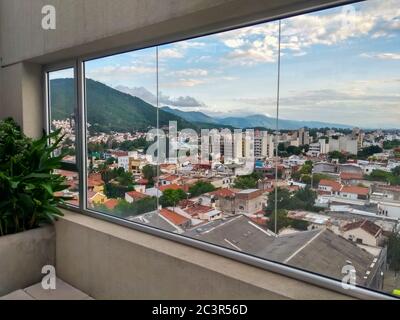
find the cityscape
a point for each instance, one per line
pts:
(338, 193)
(190, 137)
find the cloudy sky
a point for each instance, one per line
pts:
(339, 65)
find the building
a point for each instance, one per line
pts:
(354, 193)
(248, 201)
(175, 218)
(363, 232)
(133, 196)
(330, 187)
(320, 251)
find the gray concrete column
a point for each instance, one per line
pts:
(21, 96)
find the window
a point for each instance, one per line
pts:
(247, 139)
(62, 115)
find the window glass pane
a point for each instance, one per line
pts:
(222, 91)
(121, 100)
(62, 105)
(340, 120)
(72, 192)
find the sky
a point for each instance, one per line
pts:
(338, 65)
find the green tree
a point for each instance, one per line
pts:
(283, 222)
(150, 172)
(171, 197)
(115, 190)
(394, 252)
(337, 155)
(368, 151)
(248, 181)
(200, 188)
(396, 171)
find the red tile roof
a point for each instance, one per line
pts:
(336, 186)
(224, 193)
(198, 209)
(174, 217)
(136, 195)
(171, 177)
(142, 181)
(366, 225)
(350, 176)
(355, 189)
(171, 186)
(111, 204)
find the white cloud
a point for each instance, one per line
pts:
(382, 56)
(191, 73)
(259, 43)
(146, 95)
(170, 53)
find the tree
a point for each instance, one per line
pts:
(303, 199)
(394, 252)
(125, 209)
(200, 188)
(150, 172)
(171, 197)
(396, 171)
(337, 155)
(306, 168)
(380, 175)
(115, 190)
(283, 222)
(247, 182)
(368, 151)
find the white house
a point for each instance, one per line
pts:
(363, 232)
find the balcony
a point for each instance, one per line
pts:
(292, 192)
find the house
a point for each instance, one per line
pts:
(95, 183)
(324, 167)
(96, 197)
(363, 232)
(385, 193)
(175, 218)
(351, 178)
(173, 186)
(133, 196)
(111, 204)
(320, 251)
(199, 211)
(248, 201)
(330, 187)
(168, 179)
(354, 193)
(224, 199)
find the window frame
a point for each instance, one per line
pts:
(80, 166)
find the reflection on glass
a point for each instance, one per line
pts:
(62, 104)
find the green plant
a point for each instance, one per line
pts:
(28, 185)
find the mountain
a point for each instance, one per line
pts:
(252, 121)
(259, 120)
(109, 109)
(193, 116)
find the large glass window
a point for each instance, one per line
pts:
(279, 140)
(121, 102)
(62, 115)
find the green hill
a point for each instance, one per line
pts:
(109, 109)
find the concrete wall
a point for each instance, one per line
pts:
(108, 261)
(93, 27)
(22, 257)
